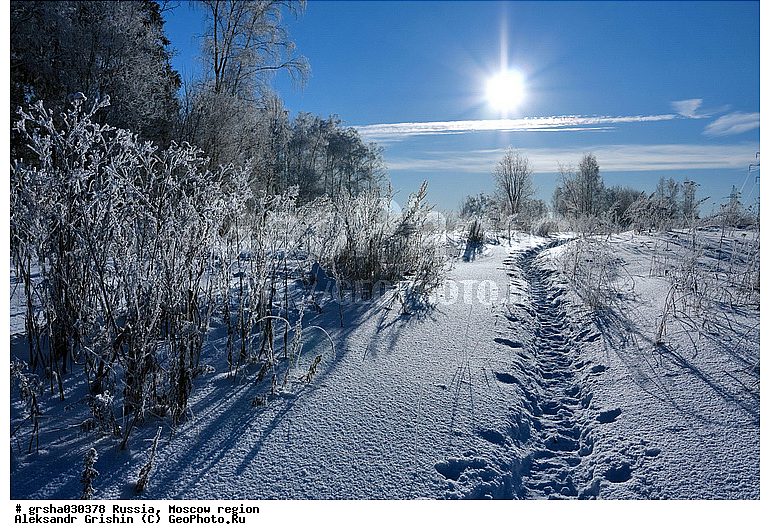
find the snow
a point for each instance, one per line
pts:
(511, 387)
(686, 411)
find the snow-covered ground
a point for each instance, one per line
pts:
(678, 415)
(511, 387)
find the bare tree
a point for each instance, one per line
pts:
(590, 185)
(689, 203)
(233, 114)
(513, 176)
(246, 40)
(667, 195)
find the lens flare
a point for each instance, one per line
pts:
(505, 91)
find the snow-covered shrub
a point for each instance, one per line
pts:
(706, 270)
(372, 247)
(89, 474)
(128, 252)
(30, 389)
(592, 269)
(102, 414)
(545, 226)
(54, 227)
(120, 232)
(260, 258)
(746, 277)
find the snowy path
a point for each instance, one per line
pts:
(551, 472)
(483, 397)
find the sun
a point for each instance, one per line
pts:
(505, 90)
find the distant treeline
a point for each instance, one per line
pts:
(581, 199)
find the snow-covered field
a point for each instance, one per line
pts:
(516, 385)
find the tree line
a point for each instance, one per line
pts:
(97, 49)
(581, 196)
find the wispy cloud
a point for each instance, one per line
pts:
(689, 108)
(396, 131)
(621, 157)
(733, 123)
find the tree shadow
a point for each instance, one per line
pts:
(472, 250)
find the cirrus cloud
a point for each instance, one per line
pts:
(689, 108)
(397, 131)
(616, 157)
(733, 123)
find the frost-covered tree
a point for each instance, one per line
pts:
(97, 48)
(589, 186)
(690, 205)
(617, 201)
(246, 41)
(672, 205)
(324, 157)
(667, 198)
(231, 112)
(580, 192)
(513, 178)
(478, 206)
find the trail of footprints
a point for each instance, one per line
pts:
(559, 402)
(563, 421)
(551, 472)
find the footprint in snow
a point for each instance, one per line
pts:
(452, 468)
(509, 343)
(620, 472)
(505, 377)
(608, 416)
(491, 436)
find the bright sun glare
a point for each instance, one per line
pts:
(505, 91)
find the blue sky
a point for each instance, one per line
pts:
(652, 89)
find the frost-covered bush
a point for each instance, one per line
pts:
(120, 233)
(102, 414)
(56, 228)
(371, 247)
(30, 389)
(592, 269)
(260, 258)
(128, 253)
(545, 226)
